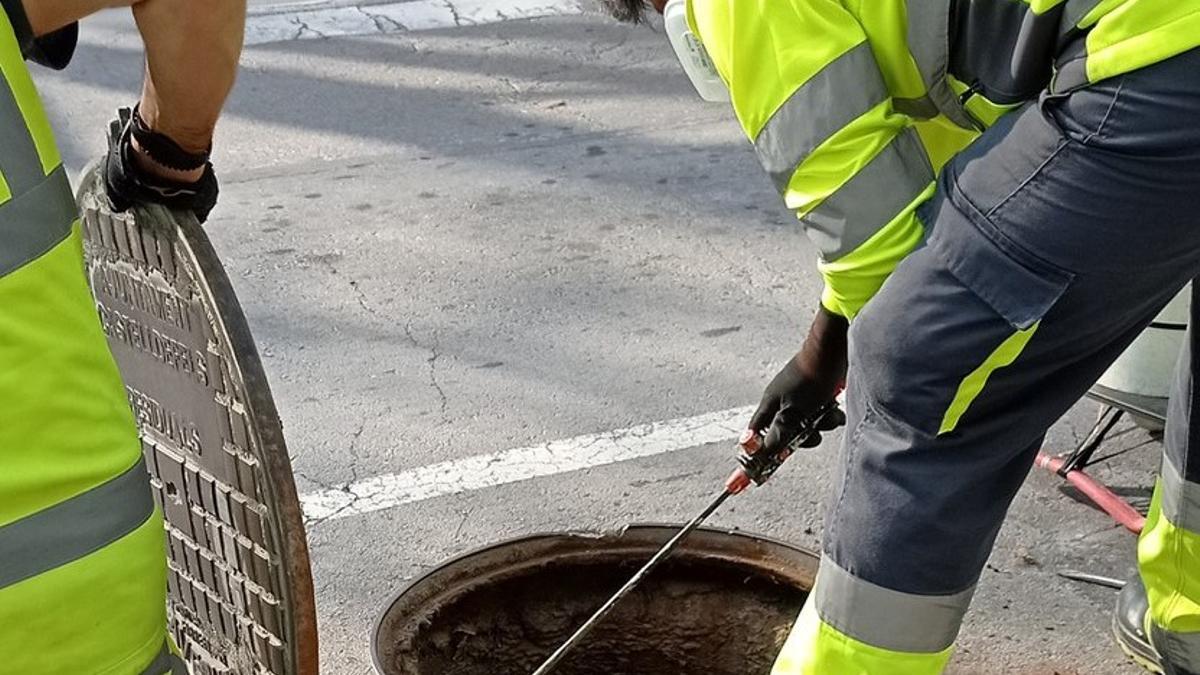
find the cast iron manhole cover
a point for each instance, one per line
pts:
(241, 598)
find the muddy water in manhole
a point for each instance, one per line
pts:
(723, 606)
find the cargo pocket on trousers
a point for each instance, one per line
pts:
(1016, 283)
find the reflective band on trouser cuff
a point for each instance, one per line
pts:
(1180, 498)
(33, 222)
(73, 529)
(166, 663)
(887, 619)
(872, 198)
(841, 92)
(972, 385)
(1169, 562)
(852, 627)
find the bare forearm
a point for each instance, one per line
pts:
(47, 16)
(192, 51)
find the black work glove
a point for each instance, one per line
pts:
(128, 184)
(807, 382)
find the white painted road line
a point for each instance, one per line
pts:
(519, 464)
(300, 21)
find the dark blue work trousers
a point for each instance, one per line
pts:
(1051, 243)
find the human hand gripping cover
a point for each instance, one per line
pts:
(128, 184)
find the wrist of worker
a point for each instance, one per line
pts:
(824, 352)
(159, 154)
(148, 165)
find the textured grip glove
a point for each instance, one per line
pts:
(807, 382)
(128, 184)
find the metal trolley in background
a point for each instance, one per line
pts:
(1136, 386)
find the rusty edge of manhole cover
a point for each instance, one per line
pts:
(241, 595)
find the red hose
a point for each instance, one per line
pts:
(1101, 496)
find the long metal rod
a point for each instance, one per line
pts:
(1075, 575)
(561, 653)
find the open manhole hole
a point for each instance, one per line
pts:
(722, 605)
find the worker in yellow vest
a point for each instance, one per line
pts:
(82, 547)
(1003, 194)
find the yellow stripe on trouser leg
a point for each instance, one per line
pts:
(1169, 562)
(972, 385)
(816, 648)
(65, 429)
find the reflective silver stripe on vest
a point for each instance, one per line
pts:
(928, 37)
(76, 527)
(821, 107)
(899, 622)
(19, 160)
(33, 222)
(166, 663)
(872, 198)
(1074, 12)
(1180, 498)
(929, 42)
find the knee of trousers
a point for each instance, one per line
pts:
(918, 500)
(909, 515)
(928, 346)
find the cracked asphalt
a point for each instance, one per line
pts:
(455, 242)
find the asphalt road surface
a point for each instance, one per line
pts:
(504, 232)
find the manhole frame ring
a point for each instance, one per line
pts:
(790, 564)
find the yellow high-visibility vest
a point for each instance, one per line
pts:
(82, 546)
(854, 105)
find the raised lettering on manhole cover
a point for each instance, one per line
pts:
(241, 599)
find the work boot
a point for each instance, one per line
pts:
(1131, 626)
